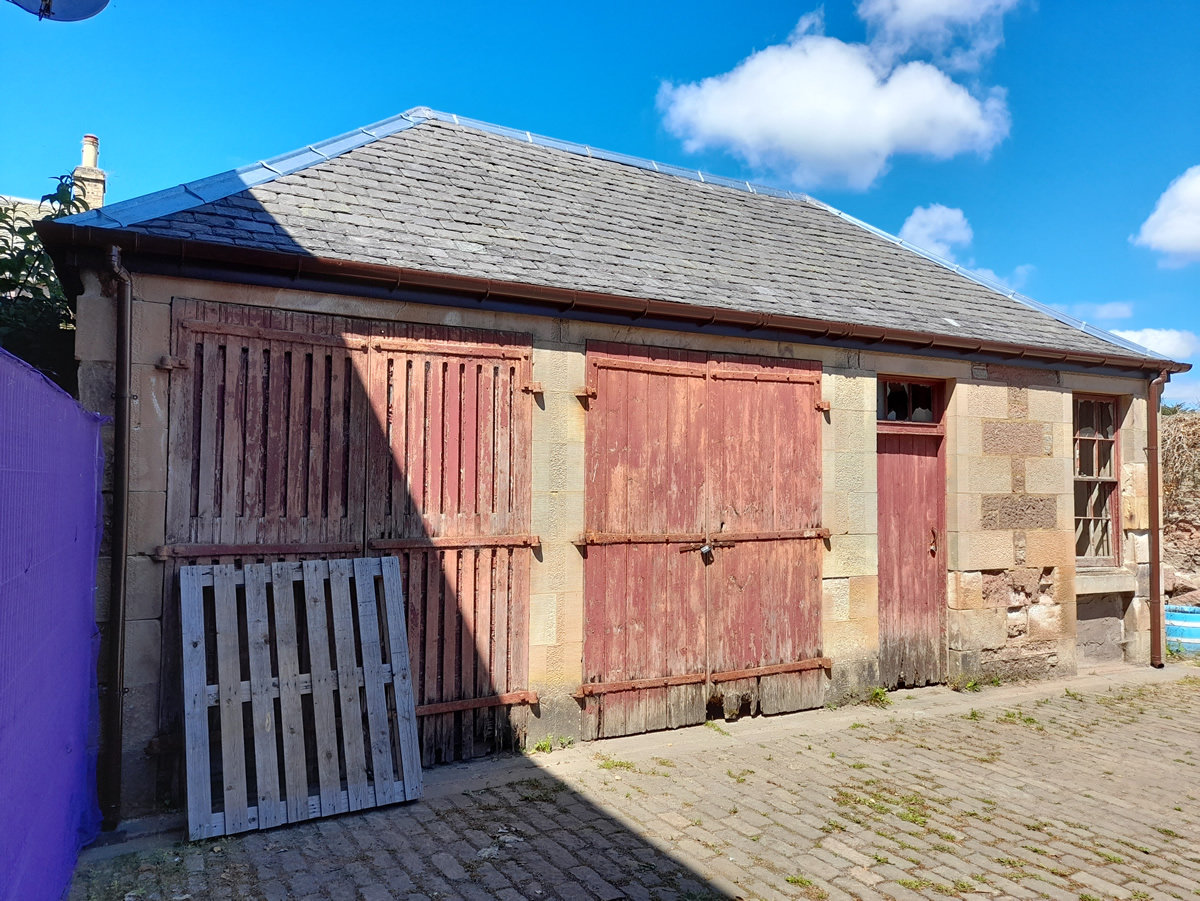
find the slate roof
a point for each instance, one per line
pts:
(433, 193)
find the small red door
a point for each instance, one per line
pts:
(912, 569)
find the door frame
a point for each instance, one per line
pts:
(935, 429)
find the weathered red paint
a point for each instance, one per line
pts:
(291, 431)
(912, 553)
(686, 449)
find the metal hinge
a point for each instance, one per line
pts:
(532, 388)
(823, 406)
(169, 363)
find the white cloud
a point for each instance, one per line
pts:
(1093, 312)
(960, 33)
(1182, 389)
(820, 110)
(937, 228)
(1173, 343)
(1173, 229)
(1014, 281)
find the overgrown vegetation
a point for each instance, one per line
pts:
(34, 311)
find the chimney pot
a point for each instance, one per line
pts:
(91, 152)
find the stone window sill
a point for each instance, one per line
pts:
(1105, 580)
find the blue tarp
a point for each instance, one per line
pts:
(51, 464)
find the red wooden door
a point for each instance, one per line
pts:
(448, 492)
(644, 600)
(297, 435)
(764, 513)
(912, 569)
(703, 498)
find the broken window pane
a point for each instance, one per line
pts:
(905, 402)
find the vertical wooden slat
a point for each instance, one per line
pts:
(382, 769)
(349, 697)
(410, 760)
(233, 747)
(317, 467)
(207, 432)
(199, 767)
(262, 702)
(295, 770)
(231, 490)
(254, 459)
(297, 441)
(315, 574)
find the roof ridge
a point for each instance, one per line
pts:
(217, 187)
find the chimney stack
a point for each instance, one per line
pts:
(89, 177)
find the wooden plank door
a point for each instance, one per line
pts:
(764, 525)
(703, 565)
(644, 600)
(912, 569)
(448, 492)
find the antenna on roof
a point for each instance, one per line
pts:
(62, 10)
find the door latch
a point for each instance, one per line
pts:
(933, 542)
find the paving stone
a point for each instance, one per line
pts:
(801, 813)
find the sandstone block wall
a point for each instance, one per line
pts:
(1011, 574)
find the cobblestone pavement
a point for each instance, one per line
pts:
(1070, 791)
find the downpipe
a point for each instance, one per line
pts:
(1155, 500)
(110, 765)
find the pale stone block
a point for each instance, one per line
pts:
(1066, 513)
(1101, 384)
(835, 600)
(143, 651)
(984, 550)
(854, 472)
(835, 512)
(539, 670)
(558, 515)
(1105, 581)
(922, 367)
(864, 597)
(1048, 475)
(864, 514)
(543, 619)
(1062, 440)
(1049, 547)
(963, 513)
(1135, 512)
(851, 392)
(147, 521)
(1135, 416)
(557, 466)
(1047, 622)
(986, 400)
(569, 662)
(571, 615)
(1049, 404)
(967, 437)
(97, 385)
(1137, 616)
(143, 588)
(560, 568)
(851, 640)
(96, 327)
(1137, 546)
(986, 475)
(968, 590)
(151, 326)
(851, 555)
(972, 630)
(148, 430)
(853, 430)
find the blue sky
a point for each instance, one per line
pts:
(1033, 140)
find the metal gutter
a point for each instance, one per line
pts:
(112, 731)
(70, 244)
(1155, 504)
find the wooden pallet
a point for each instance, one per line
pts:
(298, 700)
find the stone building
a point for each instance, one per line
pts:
(651, 444)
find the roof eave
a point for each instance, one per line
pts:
(72, 247)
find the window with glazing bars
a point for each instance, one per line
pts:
(1096, 479)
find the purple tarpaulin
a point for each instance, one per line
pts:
(51, 463)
